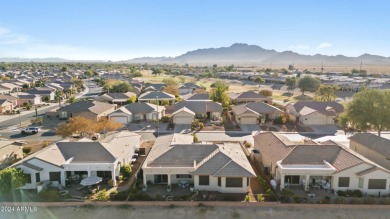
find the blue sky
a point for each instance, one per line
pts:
(118, 30)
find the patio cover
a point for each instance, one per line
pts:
(91, 180)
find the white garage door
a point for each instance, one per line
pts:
(183, 120)
(248, 120)
(121, 119)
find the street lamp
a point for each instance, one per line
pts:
(17, 99)
(158, 122)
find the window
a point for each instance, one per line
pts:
(233, 182)
(204, 180)
(377, 184)
(291, 179)
(28, 177)
(183, 176)
(361, 181)
(219, 181)
(343, 181)
(37, 177)
(55, 176)
(247, 181)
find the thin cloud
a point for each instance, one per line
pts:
(324, 45)
(299, 47)
(8, 37)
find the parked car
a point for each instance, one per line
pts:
(134, 158)
(30, 130)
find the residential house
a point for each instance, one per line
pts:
(154, 87)
(6, 106)
(33, 99)
(175, 159)
(46, 94)
(253, 113)
(314, 112)
(9, 87)
(247, 97)
(152, 96)
(64, 159)
(10, 98)
(10, 151)
(197, 97)
(188, 88)
(88, 109)
(373, 147)
(135, 112)
(116, 98)
(185, 112)
(316, 165)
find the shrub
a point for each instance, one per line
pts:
(195, 137)
(26, 150)
(126, 170)
(356, 201)
(266, 92)
(46, 99)
(248, 144)
(260, 198)
(165, 119)
(102, 195)
(158, 197)
(341, 193)
(119, 196)
(201, 125)
(297, 198)
(357, 193)
(280, 120)
(45, 144)
(247, 198)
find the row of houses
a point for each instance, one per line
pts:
(219, 166)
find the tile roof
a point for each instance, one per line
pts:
(307, 154)
(317, 105)
(374, 142)
(189, 85)
(258, 107)
(92, 106)
(247, 95)
(152, 95)
(199, 107)
(139, 107)
(199, 97)
(183, 109)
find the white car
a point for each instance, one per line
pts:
(30, 130)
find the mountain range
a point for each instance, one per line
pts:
(240, 53)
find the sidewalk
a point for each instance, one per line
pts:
(31, 111)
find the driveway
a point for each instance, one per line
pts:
(329, 129)
(250, 128)
(180, 128)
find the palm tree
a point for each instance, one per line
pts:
(58, 95)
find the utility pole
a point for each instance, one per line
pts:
(360, 69)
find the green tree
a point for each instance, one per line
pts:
(370, 110)
(64, 68)
(259, 80)
(291, 82)
(326, 93)
(71, 99)
(218, 93)
(308, 83)
(126, 170)
(11, 179)
(58, 96)
(137, 74)
(290, 67)
(170, 81)
(88, 73)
